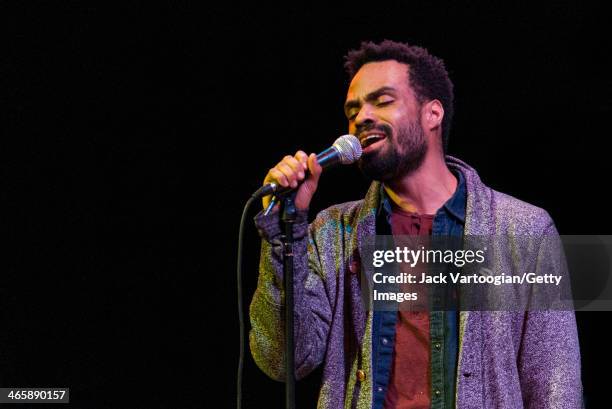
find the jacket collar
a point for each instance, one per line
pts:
(469, 184)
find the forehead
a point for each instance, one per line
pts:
(375, 75)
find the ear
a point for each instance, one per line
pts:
(432, 114)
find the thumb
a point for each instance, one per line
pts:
(314, 168)
(308, 188)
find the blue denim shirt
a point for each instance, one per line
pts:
(449, 220)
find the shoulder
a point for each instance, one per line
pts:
(493, 211)
(519, 216)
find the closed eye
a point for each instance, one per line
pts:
(384, 103)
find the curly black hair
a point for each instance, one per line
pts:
(427, 75)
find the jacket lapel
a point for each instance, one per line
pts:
(478, 221)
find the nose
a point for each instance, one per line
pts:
(365, 117)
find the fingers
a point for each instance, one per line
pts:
(275, 175)
(290, 175)
(290, 170)
(302, 158)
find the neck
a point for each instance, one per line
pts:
(426, 189)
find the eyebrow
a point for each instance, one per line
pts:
(370, 97)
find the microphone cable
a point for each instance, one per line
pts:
(241, 322)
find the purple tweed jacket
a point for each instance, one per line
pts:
(507, 359)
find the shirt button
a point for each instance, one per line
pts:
(379, 389)
(437, 392)
(384, 341)
(437, 346)
(361, 375)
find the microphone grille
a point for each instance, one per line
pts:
(349, 148)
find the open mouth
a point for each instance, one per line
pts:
(372, 139)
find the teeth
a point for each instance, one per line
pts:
(370, 139)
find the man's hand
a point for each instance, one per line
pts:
(290, 171)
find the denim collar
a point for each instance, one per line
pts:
(454, 206)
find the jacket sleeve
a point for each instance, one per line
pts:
(312, 311)
(549, 359)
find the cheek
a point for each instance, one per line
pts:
(351, 128)
(398, 117)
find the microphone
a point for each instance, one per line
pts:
(345, 150)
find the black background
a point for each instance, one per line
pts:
(132, 134)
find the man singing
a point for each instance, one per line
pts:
(400, 104)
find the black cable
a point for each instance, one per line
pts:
(240, 306)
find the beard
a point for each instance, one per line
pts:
(395, 160)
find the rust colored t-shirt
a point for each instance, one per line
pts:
(410, 380)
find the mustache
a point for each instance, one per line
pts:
(373, 127)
